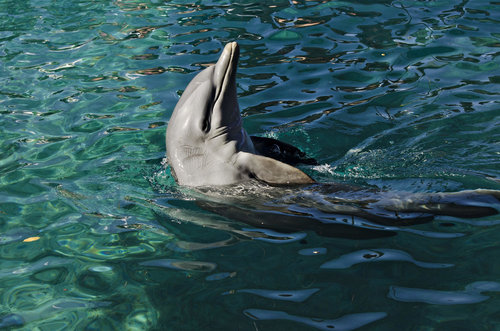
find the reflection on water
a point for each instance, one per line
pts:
(94, 233)
(472, 294)
(344, 323)
(293, 295)
(375, 255)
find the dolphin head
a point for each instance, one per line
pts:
(206, 143)
(210, 101)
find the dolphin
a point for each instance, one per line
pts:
(206, 143)
(209, 151)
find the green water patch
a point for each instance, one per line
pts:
(96, 234)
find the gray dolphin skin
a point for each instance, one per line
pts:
(206, 143)
(253, 179)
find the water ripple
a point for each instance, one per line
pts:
(41, 264)
(290, 295)
(471, 294)
(181, 265)
(344, 323)
(378, 255)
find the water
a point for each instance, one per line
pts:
(95, 234)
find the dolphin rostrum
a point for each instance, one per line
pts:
(208, 149)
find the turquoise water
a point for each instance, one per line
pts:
(96, 235)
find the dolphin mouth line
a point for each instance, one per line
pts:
(228, 70)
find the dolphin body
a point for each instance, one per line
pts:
(253, 179)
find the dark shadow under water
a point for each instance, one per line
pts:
(338, 210)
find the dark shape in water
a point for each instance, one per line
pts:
(288, 223)
(281, 151)
(344, 213)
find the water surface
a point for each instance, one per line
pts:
(95, 234)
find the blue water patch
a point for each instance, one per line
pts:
(471, 294)
(377, 255)
(345, 323)
(289, 295)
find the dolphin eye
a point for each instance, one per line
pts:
(205, 124)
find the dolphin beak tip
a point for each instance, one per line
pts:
(232, 44)
(233, 48)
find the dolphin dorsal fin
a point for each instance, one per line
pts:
(271, 171)
(280, 151)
